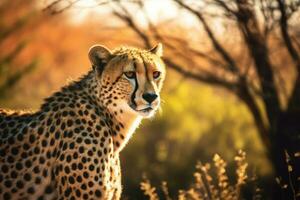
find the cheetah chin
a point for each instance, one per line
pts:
(147, 111)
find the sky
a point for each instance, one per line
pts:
(157, 10)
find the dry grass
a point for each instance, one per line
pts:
(205, 187)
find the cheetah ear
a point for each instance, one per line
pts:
(158, 50)
(99, 56)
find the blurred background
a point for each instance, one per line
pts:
(232, 77)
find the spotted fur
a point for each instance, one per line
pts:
(69, 149)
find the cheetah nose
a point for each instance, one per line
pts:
(149, 97)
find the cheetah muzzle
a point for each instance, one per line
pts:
(69, 148)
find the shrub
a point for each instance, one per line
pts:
(208, 188)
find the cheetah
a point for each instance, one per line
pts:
(69, 148)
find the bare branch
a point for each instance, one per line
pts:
(55, 7)
(224, 54)
(268, 9)
(226, 7)
(285, 35)
(128, 19)
(205, 77)
(295, 97)
(245, 95)
(257, 47)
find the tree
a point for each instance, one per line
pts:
(11, 27)
(277, 119)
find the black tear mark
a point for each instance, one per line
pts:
(136, 87)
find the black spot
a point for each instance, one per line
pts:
(74, 166)
(27, 177)
(24, 155)
(6, 196)
(44, 143)
(63, 126)
(52, 129)
(83, 186)
(49, 121)
(26, 146)
(79, 140)
(31, 138)
(36, 169)
(36, 150)
(78, 193)
(40, 198)
(8, 183)
(83, 160)
(91, 167)
(68, 158)
(75, 155)
(40, 130)
(58, 121)
(14, 174)
(20, 137)
(48, 189)
(117, 144)
(72, 113)
(38, 180)
(81, 149)
(85, 196)
(19, 166)
(71, 180)
(11, 140)
(72, 145)
(67, 169)
(45, 172)
(57, 134)
(28, 163)
(105, 133)
(98, 193)
(69, 122)
(80, 166)
(10, 159)
(20, 184)
(79, 179)
(30, 190)
(90, 184)
(68, 192)
(77, 130)
(85, 174)
(42, 160)
(90, 153)
(62, 157)
(52, 141)
(4, 168)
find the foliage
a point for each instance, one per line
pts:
(11, 28)
(167, 147)
(205, 187)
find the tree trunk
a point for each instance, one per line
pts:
(282, 187)
(288, 141)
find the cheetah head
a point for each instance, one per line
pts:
(130, 79)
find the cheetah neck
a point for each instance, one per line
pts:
(121, 119)
(130, 124)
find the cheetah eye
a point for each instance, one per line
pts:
(156, 74)
(130, 74)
